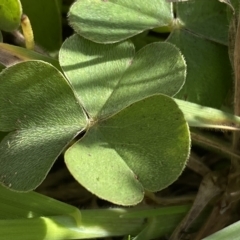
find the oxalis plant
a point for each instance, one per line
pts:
(117, 105)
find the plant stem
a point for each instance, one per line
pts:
(107, 224)
(27, 32)
(236, 63)
(26, 216)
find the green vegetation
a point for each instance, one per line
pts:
(126, 92)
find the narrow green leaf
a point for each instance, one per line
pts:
(206, 117)
(10, 14)
(40, 228)
(144, 146)
(230, 232)
(35, 216)
(10, 54)
(108, 78)
(15, 205)
(148, 231)
(156, 212)
(39, 109)
(1, 37)
(112, 21)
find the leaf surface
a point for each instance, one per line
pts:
(204, 18)
(209, 73)
(201, 116)
(107, 78)
(38, 108)
(112, 21)
(229, 232)
(144, 146)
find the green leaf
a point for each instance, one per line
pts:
(144, 146)
(10, 54)
(209, 72)
(230, 232)
(38, 108)
(207, 19)
(48, 218)
(107, 78)
(15, 205)
(10, 14)
(94, 69)
(1, 67)
(201, 36)
(45, 17)
(206, 117)
(2, 135)
(112, 21)
(148, 230)
(1, 37)
(100, 169)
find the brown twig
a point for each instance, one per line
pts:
(209, 189)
